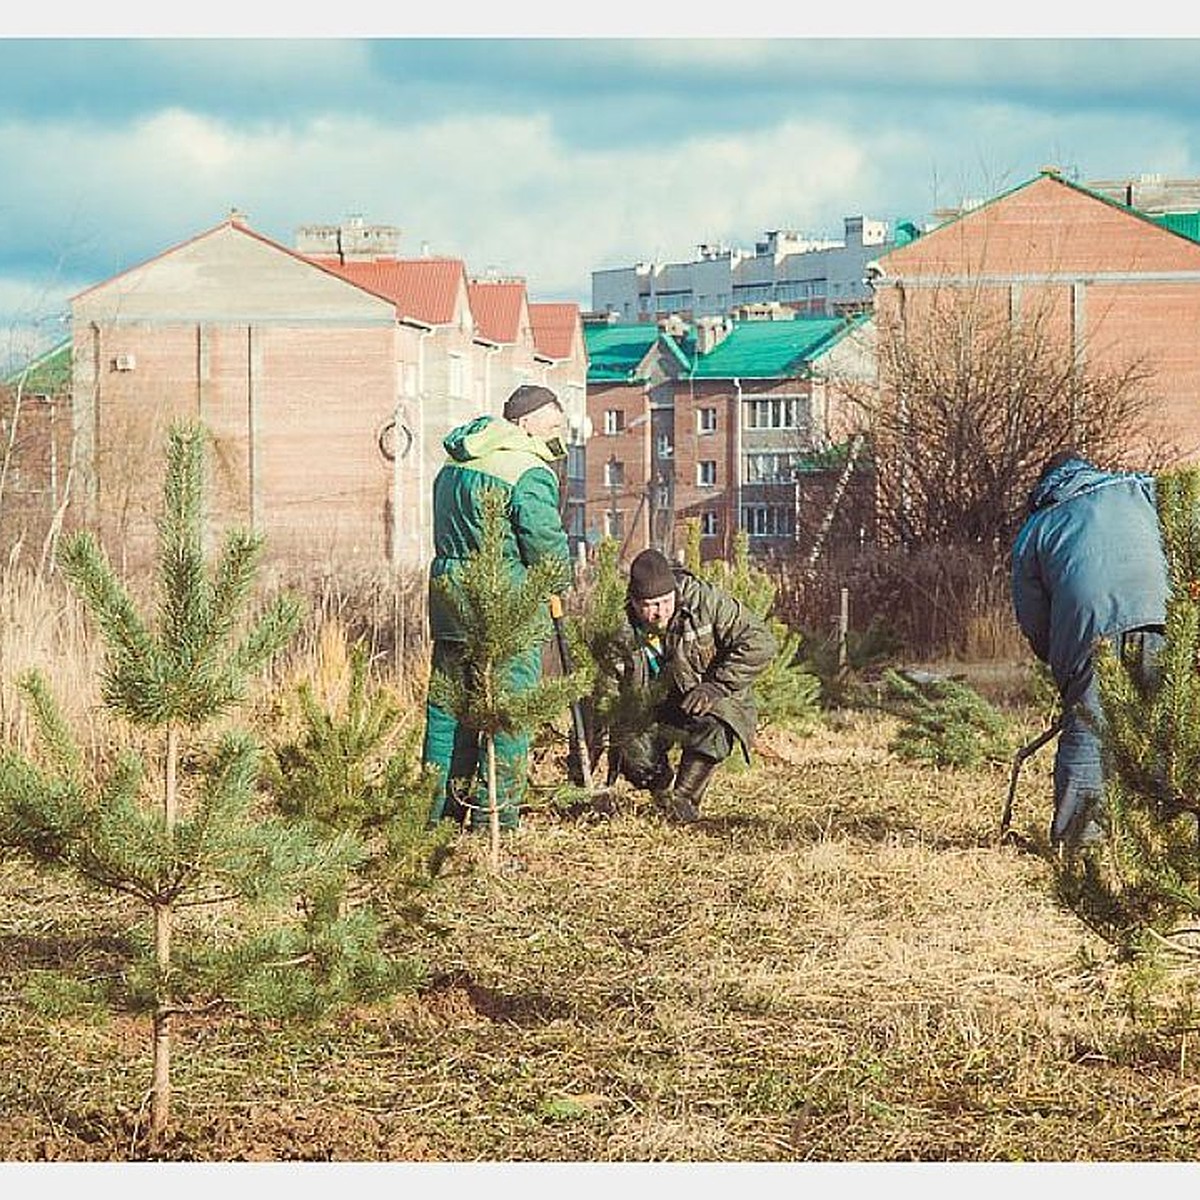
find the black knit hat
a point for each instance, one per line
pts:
(650, 575)
(526, 399)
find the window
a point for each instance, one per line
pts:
(662, 446)
(772, 466)
(576, 463)
(614, 420)
(706, 472)
(768, 520)
(668, 302)
(614, 524)
(706, 420)
(708, 524)
(777, 412)
(614, 473)
(575, 518)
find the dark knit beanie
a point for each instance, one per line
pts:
(526, 399)
(650, 575)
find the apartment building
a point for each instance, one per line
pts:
(815, 276)
(730, 422)
(628, 469)
(35, 426)
(561, 354)
(328, 379)
(758, 420)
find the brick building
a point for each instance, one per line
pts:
(756, 419)
(327, 378)
(630, 399)
(1116, 285)
(729, 422)
(35, 434)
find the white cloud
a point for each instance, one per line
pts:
(509, 191)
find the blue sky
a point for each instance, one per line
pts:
(544, 156)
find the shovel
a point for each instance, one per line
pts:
(578, 728)
(1019, 758)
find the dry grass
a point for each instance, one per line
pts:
(840, 963)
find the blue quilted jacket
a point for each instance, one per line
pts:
(1087, 563)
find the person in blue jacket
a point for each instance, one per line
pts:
(1087, 565)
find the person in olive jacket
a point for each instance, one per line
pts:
(1088, 565)
(685, 668)
(517, 454)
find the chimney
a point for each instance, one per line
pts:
(711, 332)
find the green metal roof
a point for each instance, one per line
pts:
(48, 374)
(1187, 224)
(616, 351)
(767, 349)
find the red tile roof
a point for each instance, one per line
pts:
(423, 288)
(554, 327)
(497, 307)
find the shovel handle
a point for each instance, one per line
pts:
(578, 728)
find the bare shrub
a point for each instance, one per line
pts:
(974, 397)
(938, 601)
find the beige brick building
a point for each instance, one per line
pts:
(328, 380)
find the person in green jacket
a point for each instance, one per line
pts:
(685, 667)
(515, 453)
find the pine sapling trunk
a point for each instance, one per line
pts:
(493, 801)
(160, 1108)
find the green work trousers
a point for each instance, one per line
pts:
(460, 756)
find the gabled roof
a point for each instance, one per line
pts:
(497, 306)
(1176, 224)
(554, 328)
(425, 289)
(48, 374)
(234, 222)
(616, 353)
(769, 349)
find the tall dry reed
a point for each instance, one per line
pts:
(43, 626)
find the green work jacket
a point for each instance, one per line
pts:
(491, 452)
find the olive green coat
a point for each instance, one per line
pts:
(711, 637)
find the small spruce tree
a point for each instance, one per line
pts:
(502, 617)
(599, 634)
(1138, 885)
(201, 842)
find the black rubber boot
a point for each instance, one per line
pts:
(691, 782)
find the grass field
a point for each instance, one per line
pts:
(840, 963)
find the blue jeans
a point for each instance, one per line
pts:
(1078, 761)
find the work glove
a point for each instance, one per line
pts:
(701, 699)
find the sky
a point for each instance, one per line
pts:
(541, 147)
